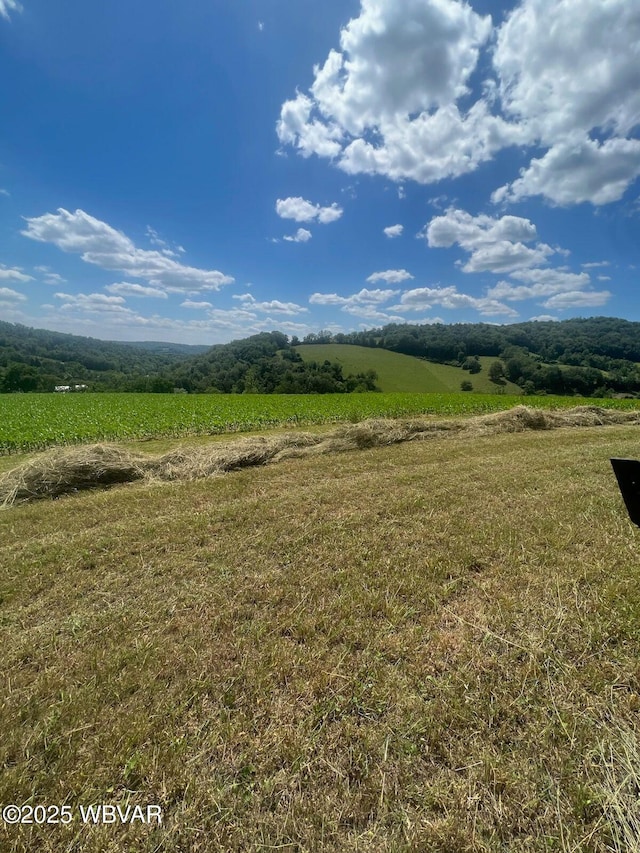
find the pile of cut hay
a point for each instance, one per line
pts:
(60, 472)
(197, 462)
(523, 418)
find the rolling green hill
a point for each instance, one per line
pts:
(403, 373)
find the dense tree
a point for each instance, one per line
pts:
(473, 365)
(496, 371)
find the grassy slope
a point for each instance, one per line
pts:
(420, 647)
(398, 372)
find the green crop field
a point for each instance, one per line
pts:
(34, 421)
(404, 373)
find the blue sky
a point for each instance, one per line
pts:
(203, 171)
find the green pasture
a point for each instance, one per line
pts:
(404, 373)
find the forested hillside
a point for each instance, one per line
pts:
(38, 360)
(593, 356)
(266, 364)
(576, 341)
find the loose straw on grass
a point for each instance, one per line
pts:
(65, 471)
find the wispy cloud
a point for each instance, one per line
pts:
(7, 6)
(8, 293)
(126, 288)
(424, 298)
(390, 276)
(578, 299)
(13, 274)
(189, 303)
(301, 236)
(274, 306)
(98, 243)
(366, 304)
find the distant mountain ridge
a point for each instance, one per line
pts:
(164, 346)
(38, 359)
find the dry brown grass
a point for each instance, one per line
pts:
(430, 646)
(619, 755)
(64, 471)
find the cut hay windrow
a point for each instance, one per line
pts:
(70, 470)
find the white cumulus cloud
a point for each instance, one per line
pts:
(366, 304)
(504, 256)
(564, 90)
(401, 67)
(394, 96)
(570, 65)
(274, 306)
(578, 299)
(302, 210)
(97, 299)
(578, 169)
(393, 231)
(13, 295)
(363, 297)
(471, 232)
(496, 245)
(54, 278)
(423, 298)
(539, 283)
(189, 303)
(13, 274)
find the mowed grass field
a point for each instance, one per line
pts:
(404, 373)
(432, 646)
